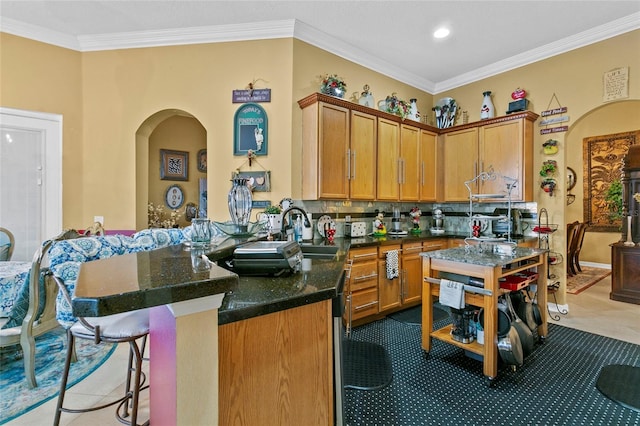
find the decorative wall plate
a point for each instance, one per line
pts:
(174, 197)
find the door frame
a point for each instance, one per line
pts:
(51, 127)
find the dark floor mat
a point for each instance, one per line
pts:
(414, 315)
(621, 383)
(367, 366)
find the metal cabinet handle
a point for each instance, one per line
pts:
(353, 168)
(366, 305)
(348, 164)
(365, 277)
(359, 256)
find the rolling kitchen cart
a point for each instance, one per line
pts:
(489, 267)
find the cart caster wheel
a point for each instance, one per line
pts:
(542, 339)
(425, 354)
(514, 368)
(489, 381)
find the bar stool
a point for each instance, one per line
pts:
(127, 327)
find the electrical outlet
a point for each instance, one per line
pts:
(99, 219)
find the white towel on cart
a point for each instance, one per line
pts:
(392, 264)
(451, 294)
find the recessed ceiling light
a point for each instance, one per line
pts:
(441, 32)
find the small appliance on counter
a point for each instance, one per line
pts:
(396, 224)
(502, 227)
(438, 221)
(355, 229)
(266, 258)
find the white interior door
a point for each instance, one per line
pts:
(30, 178)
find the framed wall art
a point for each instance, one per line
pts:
(602, 164)
(202, 160)
(174, 165)
(250, 130)
(257, 181)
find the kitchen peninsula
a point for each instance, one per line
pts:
(485, 265)
(272, 336)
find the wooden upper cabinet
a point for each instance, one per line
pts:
(428, 170)
(362, 156)
(460, 151)
(503, 144)
(388, 160)
(409, 163)
(507, 148)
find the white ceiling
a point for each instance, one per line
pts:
(392, 37)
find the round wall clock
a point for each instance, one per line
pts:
(174, 197)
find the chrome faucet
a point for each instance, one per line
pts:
(285, 224)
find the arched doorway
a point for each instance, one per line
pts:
(175, 131)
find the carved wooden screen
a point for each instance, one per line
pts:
(602, 164)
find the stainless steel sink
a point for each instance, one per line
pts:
(311, 251)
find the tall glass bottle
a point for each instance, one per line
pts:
(240, 202)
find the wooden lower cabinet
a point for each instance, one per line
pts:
(277, 369)
(361, 285)
(389, 290)
(625, 273)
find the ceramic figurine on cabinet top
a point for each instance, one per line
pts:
(487, 110)
(413, 110)
(366, 97)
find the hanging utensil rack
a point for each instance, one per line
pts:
(544, 230)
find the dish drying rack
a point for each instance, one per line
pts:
(484, 177)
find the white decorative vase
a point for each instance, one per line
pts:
(413, 111)
(487, 110)
(629, 241)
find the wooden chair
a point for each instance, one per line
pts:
(38, 320)
(571, 234)
(578, 239)
(7, 243)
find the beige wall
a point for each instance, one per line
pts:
(576, 80)
(39, 77)
(176, 133)
(106, 98)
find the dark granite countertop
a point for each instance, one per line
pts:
(162, 276)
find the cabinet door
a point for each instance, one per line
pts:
(436, 244)
(389, 291)
(460, 163)
(409, 163)
(362, 156)
(501, 149)
(333, 140)
(388, 158)
(428, 172)
(412, 266)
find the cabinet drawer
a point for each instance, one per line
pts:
(363, 275)
(364, 303)
(411, 248)
(363, 254)
(432, 245)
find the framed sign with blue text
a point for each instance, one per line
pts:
(250, 130)
(174, 165)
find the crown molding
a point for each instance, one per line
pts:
(304, 32)
(38, 33)
(184, 36)
(585, 38)
(324, 41)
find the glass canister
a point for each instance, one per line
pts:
(200, 232)
(240, 202)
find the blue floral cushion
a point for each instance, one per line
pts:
(66, 256)
(21, 304)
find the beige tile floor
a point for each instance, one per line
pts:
(591, 311)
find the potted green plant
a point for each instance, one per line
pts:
(333, 85)
(272, 215)
(613, 198)
(548, 168)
